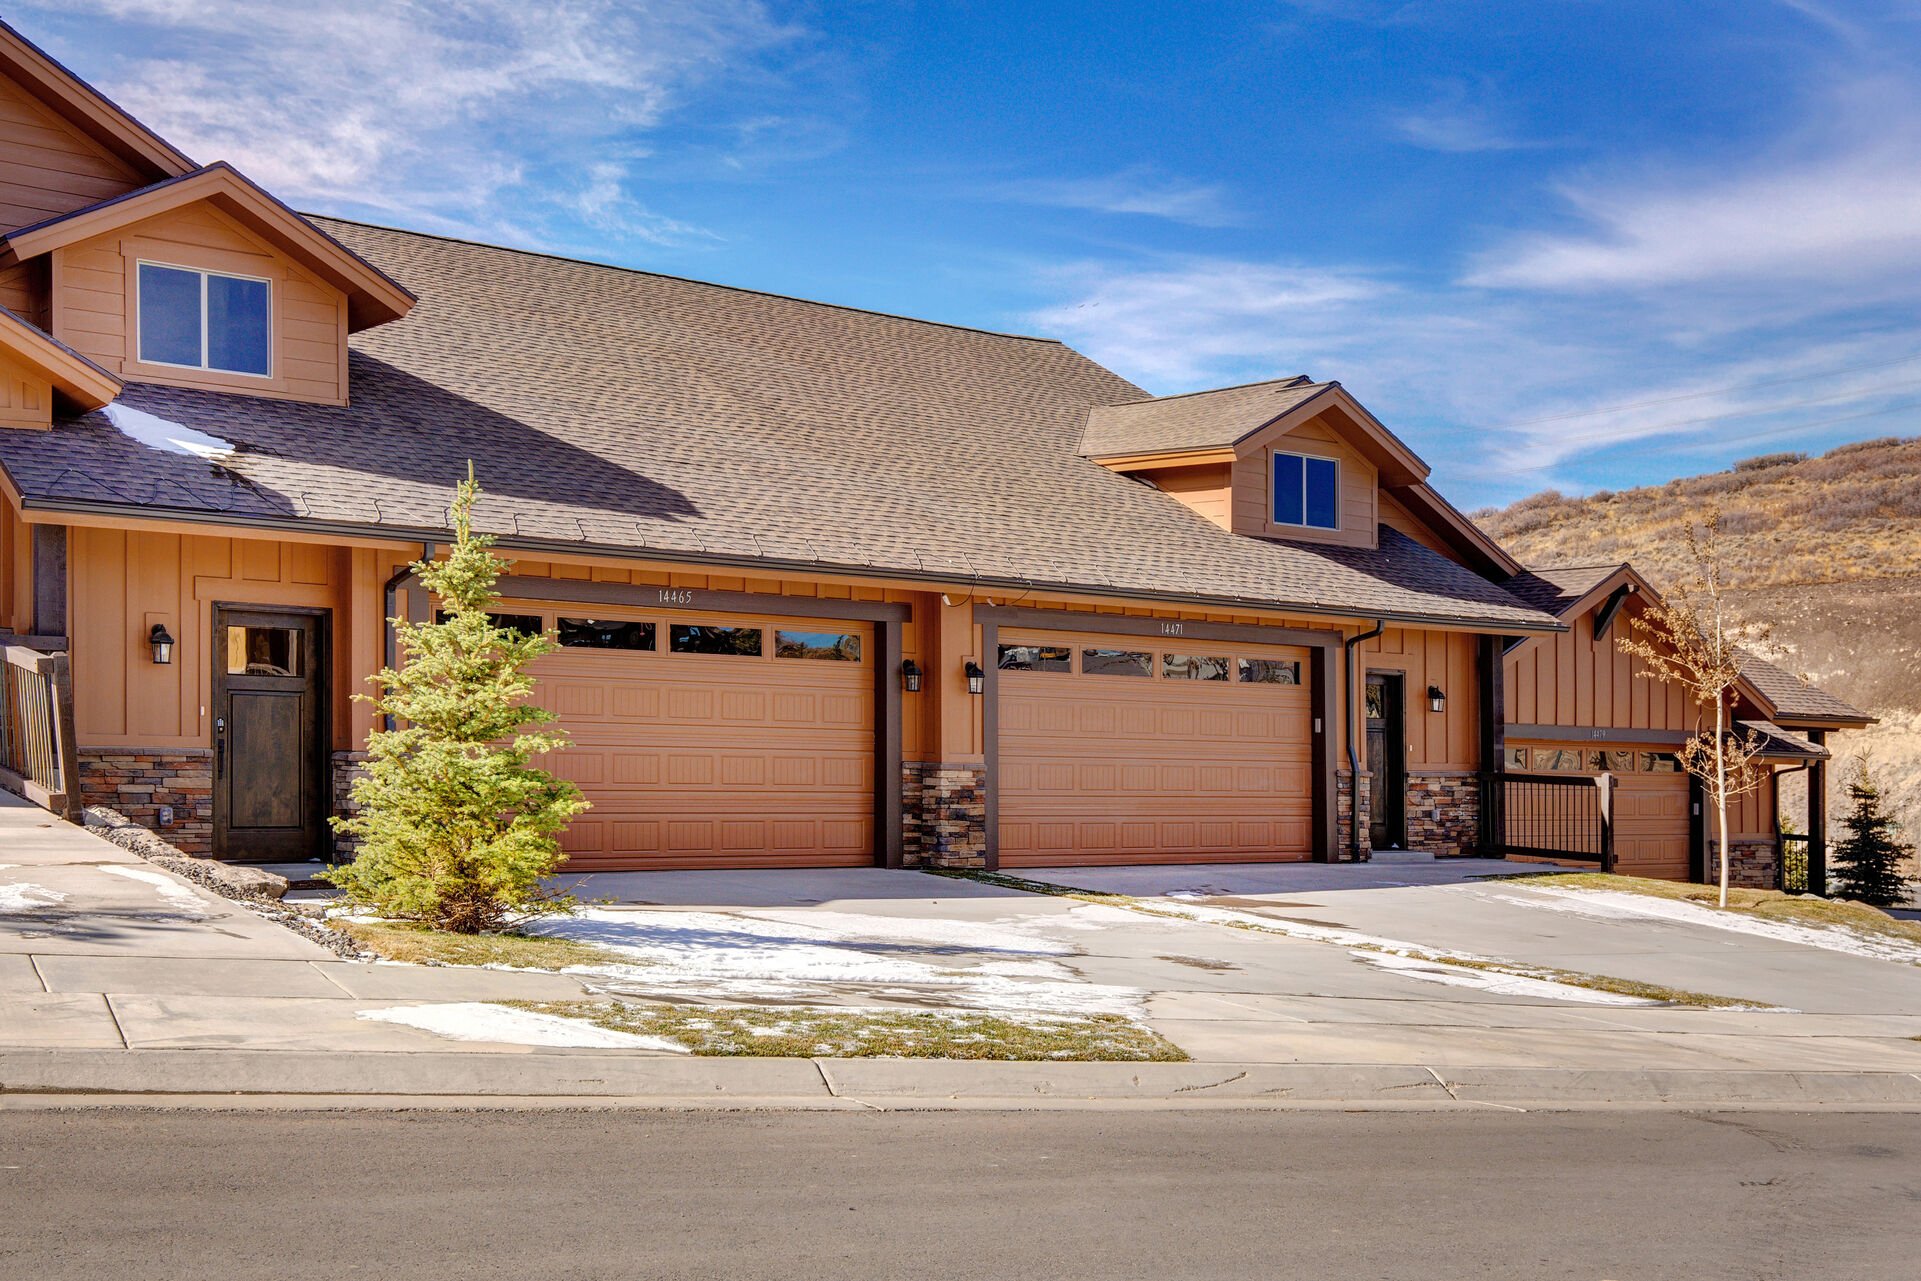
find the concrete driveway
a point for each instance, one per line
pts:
(1228, 993)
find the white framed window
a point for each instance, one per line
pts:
(211, 320)
(1307, 491)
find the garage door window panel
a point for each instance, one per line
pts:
(1036, 658)
(833, 647)
(700, 638)
(1116, 662)
(1194, 667)
(599, 633)
(1269, 671)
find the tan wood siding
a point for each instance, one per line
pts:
(26, 398)
(1125, 769)
(1208, 489)
(1444, 740)
(47, 167)
(1253, 477)
(124, 582)
(23, 291)
(93, 291)
(16, 572)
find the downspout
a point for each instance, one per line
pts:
(1353, 757)
(390, 602)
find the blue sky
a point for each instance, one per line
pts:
(1571, 243)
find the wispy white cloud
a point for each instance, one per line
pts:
(1837, 204)
(441, 114)
(1464, 118)
(1135, 190)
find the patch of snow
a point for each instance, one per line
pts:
(23, 897)
(1495, 981)
(179, 897)
(479, 1021)
(747, 958)
(168, 437)
(1619, 905)
(1010, 934)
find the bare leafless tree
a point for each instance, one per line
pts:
(1692, 637)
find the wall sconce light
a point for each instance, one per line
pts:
(162, 643)
(1436, 700)
(910, 676)
(976, 678)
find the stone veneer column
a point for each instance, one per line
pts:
(1755, 865)
(943, 815)
(138, 781)
(1344, 813)
(1444, 812)
(347, 766)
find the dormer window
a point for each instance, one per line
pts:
(1307, 491)
(205, 320)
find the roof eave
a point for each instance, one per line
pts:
(86, 108)
(374, 298)
(79, 380)
(413, 533)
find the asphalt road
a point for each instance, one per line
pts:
(548, 1195)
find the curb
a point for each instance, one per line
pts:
(587, 1078)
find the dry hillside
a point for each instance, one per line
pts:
(1827, 550)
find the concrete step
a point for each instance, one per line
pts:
(299, 876)
(1402, 856)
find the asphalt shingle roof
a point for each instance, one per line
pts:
(1197, 420)
(1555, 589)
(1797, 699)
(606, 408)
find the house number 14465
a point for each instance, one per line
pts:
(676, 596)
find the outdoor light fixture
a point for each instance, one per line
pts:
(910, 676)
(976, 678)
(1436, 700)
(162, 643)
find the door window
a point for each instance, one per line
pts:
(264, 651)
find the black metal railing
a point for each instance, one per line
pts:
(1791, 868)
(1563, 816)
(36, 729)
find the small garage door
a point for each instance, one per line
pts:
(713, 742)
(1651, 823)
(1118, 750)
(1651, 802)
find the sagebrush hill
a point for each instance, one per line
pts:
(1827, 550)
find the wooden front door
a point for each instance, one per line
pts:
(1387, 760)
(269, 704)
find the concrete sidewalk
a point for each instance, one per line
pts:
(101, 950)
(119, 978)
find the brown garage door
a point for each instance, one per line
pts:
(713, 742)
(1120, 750)
(1651, 824)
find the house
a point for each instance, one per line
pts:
(1575, 703)
(831, 587)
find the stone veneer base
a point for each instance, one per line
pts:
(943, 815)
(138, 781)
(1444, 813)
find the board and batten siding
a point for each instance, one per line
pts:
(1574, 679)
(47, 167)
(1447, 740)
(94, 285)
(1253, 477)
(123, 582)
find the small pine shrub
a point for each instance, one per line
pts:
(457, 825)
(1865, 865)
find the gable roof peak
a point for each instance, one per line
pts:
(105, 121)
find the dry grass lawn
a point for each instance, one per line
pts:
(731, 1031)
(402, 941)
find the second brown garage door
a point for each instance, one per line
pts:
(1115, 750)
(713, 742)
